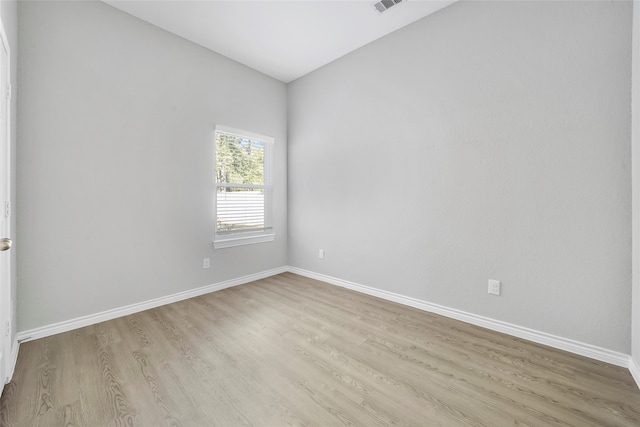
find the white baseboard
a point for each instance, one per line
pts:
(634, 368)
(13, 358)
(572, 346)
(92, 319)
(566, 344)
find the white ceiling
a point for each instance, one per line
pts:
(283, 39)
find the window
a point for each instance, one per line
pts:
(242, 188)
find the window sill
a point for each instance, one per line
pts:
(239, 241)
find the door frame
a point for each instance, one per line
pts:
(9, 347)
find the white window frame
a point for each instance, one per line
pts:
(267, 234)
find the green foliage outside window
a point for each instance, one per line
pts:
(238, 161)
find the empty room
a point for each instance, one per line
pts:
(320, 213)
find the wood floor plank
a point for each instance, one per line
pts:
(289, 350)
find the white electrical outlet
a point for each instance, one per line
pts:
(206, 263)
(494, 287)
(321, 254)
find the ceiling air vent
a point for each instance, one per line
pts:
(384, 5)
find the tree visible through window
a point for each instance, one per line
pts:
(243, 187)
(239, 160)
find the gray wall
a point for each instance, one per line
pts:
(9, 15)
(489, 140)
(115, 166)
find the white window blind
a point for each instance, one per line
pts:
(242, 186)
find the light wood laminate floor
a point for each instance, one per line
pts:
(288, 350)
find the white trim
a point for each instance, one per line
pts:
(244, 133)
(635, 193)
(69, 325)
(13, 359)
(576, 347)
(635, 370)
(6, 296)
(566, 344)
(239, 241)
